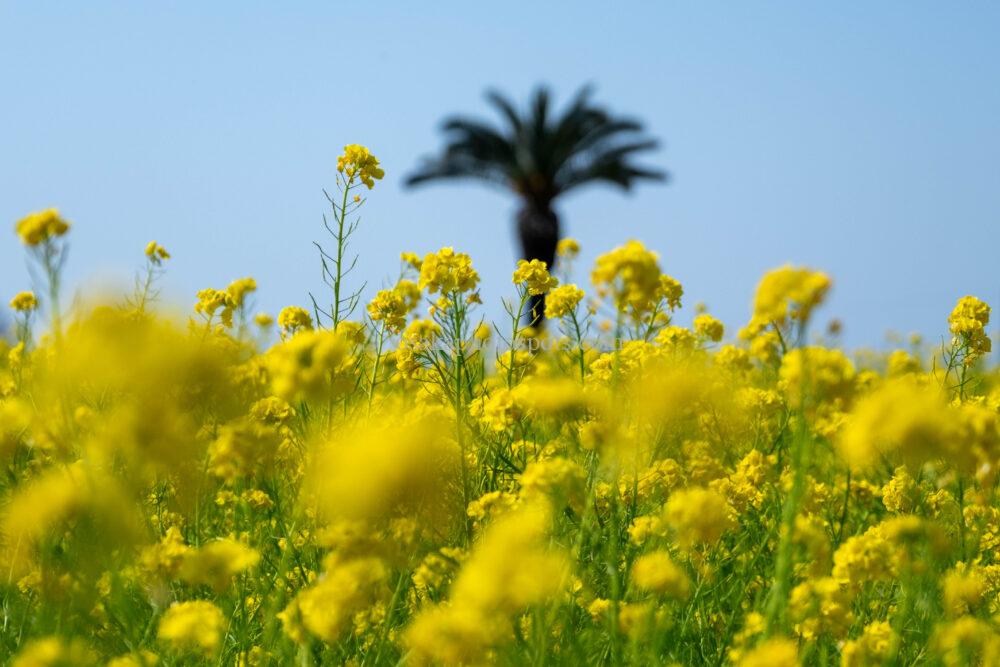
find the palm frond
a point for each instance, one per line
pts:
(539, 154)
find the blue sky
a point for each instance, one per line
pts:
(858, 138)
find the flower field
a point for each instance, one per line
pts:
(402, 482)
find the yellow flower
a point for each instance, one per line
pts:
(271, 410)
(698, 516)
(47, 502)
(599, 608)
(964, 589)
(968, 322)
(656, 572)
(55, 652)
(491, 505)
(676, 339)
(788, 293)
(708, 328)
(630, 275)
(238, 290)
(40, 226)
(499, 410)
(164, 559)
(211, 300)
(417, 338)
(24, 302)
(901, 416)
(326, 609)
(875, 645)
(970, 315)
(866, 557)
(389, 307)
(156, 253)
(567, 248)
(292, 319)
(137, 659)
(217, 562)
(734, 359)
(901, 362)
(194, 626)
(764, 345)
(436, 569)
(777, 652)
(263, 320)
(311, 364)
(482, 332)
(821, 606)
(447, 271)
(562, 301)
(901, 494)
(240, 448)
(511, 568)
(257, 499)
(352, 332)
(358, 161)
(819, 373)
(966, 641)
(372, 471)
(412, 259)
(559, 480)
(671, 291)
(409, 291)
(534, 275)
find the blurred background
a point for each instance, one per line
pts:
(857, 138)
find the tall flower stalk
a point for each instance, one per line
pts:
(356, 168)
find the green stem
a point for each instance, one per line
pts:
(579, 347)
(458, 347)
(335, 311)
(50, 258)
(378, 358)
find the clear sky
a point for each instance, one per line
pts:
(860, 138)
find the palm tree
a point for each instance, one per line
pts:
(541, 156)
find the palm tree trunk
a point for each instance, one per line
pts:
(538, 231)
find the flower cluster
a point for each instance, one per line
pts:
(357, 161)
(448, 272)
(156, 253)
(562, 301)
(40, 226)
(24, 302)
(788, 294)
(968, 321)
(534, 276)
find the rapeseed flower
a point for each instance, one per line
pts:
(40, 226)
(293, 319)
(358, 161)
(656, 572)
(776, 652)
(630, 276)
(390, 307)
(24, 302)
(968, 323)
(698, 516)
(567, 248)
(156, 253)
(447, 272)
(194, 626)
(788, 294)
(55, 652)
(562, 301)
(534, 276)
